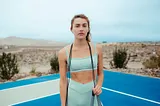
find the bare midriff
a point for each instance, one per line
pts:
(83, 76)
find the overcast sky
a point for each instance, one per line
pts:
(111, 20)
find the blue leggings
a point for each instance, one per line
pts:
(80, 94)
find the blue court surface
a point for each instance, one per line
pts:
(119, 89)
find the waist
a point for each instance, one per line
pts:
(81, 70)
(79, 87)
(83, 76)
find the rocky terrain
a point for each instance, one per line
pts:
(139, 52)
(38, 58)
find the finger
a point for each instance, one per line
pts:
(94, 90)
(99, 92)
(97, 88)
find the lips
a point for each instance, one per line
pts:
(81, 33)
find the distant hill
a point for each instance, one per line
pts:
(18, 41)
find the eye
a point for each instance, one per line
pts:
(84, 25)
(77, 25)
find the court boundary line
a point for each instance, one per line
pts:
(115, 91)
(137, 75)
(134, 96)
(34, 99)
(28, 85)
(112, 90)
(29, 79)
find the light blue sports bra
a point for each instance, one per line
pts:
(83, 64)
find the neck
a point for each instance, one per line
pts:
(80, 43)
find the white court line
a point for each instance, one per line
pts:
(148, 100)
(58, 92)
(21, 86)
(34, 99)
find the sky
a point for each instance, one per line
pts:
(111, 20)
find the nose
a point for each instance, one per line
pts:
(81, 29)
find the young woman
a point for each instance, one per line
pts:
(79, 90)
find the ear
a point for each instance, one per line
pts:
(71, 30)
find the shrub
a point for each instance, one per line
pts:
(8, 66)
(54, 64)
(120, 58)
(33, 71)
(38, 74)
(152, 62)
(143, 45)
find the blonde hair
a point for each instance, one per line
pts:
(86, 18)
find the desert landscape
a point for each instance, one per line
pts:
(36, 54)
(139, 52)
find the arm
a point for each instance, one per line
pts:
(63, 79)
(100, 66)
(97, 90)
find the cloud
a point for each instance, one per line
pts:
(50, 19)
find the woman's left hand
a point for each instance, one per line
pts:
(97, 90)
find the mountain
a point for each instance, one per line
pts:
(18, 41)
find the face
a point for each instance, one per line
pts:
(80, 28)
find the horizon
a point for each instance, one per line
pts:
(111, 21)
(145, 41)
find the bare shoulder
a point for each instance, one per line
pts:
(62, 52)
(99, 48)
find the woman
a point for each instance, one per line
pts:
(81, 85)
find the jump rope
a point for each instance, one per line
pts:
(93, 95)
